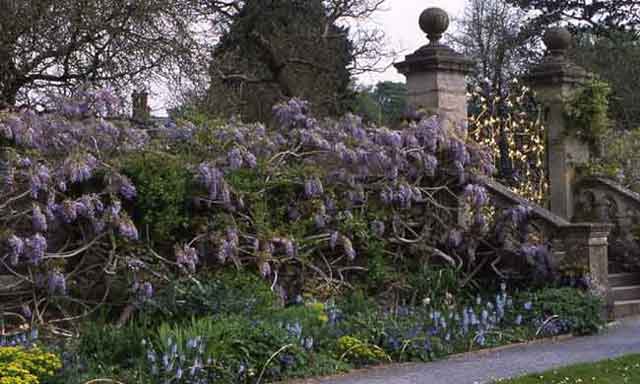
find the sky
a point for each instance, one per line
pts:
(399, 21)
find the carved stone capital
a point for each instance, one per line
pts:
(435, 58)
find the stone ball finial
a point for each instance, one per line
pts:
(557, 39)
(434, 22)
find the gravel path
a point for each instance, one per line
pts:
(485, 367)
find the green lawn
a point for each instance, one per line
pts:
(622, 370)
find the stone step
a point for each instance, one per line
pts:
(626, 308)
(624, 279)
(630, 292)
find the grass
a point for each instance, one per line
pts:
(618, 371)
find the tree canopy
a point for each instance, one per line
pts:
(275, 50)
(600, 16)
(384, 104)
(59, 44)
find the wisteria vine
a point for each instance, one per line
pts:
(304, 202)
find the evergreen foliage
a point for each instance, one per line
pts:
(275, 50)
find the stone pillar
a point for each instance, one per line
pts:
(140, 106)
(554, 80)
(586, 248)
(436, 73)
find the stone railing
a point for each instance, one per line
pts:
(603, 200)
(577, 248)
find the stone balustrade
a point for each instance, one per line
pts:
(577, 248)
(603, 200)
(436, 81)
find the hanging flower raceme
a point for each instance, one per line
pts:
(35, 248)
(187, 258)
(126, 228)
(79, 168)
(38, 219)
(16, 249)
(126, 188)
(476, 195)
(313, 188)
(56, 283)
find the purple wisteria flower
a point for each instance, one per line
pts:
(293, 113)
(68, 211)
(226, 251)
(39, 179)
(250, 159)
(25, 310)
(476, 195)
(430, 165)
(391, 138)
(232, 236)
(127, 189)
(56, 283)
(429, 131)
(38, 219)
(235, 158)
(187, 258)
(519, 214)
(16, 249)
(24, 162)
(79, 168)
(212, 178)
(35, 248)
(126, 227)
(333, 240)
(313, 188)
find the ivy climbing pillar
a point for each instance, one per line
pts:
(436, 73)
(555, 80)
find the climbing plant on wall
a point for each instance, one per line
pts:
(587, 112)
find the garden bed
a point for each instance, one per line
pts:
(230, 328)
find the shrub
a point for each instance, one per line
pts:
(19, 365)
(360, 352)
(223, 293)
(112, 346)
(228, 349)
(619, 158)
(569, 310)
(164, 186)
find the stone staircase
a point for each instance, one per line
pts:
(625, 291)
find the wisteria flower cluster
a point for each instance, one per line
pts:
(339, 175)
(62, 192)
(302, 197)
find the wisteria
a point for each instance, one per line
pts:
(34, 248)
(299, 197)
(476, 195)
(16, 249)
(56, 283)
(38, 219)
(187, 258)
(59, 172)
